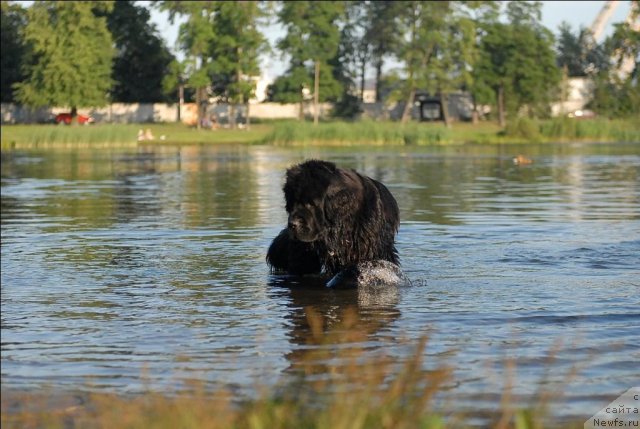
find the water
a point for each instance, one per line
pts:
(129, 268)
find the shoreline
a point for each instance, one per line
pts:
(336, 133)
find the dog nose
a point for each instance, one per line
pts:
(294, 223)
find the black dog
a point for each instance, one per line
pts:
(340, 223)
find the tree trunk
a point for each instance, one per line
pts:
(378, 76)
(474, 112)
(232, 115)
(316, 93)
(501, 118)
(406, 113)
(180, 101)
(363, 67)
(248, 116)
(199, 114)
(74, 115)
(241, 104)
(444, 104)
(239, 101)
(301, 110)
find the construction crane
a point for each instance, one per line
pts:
(597, 28)
(627, 63)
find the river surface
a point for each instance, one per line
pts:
(124, 269)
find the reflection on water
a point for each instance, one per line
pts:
(149, 262)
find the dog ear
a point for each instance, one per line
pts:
(292, 173)
(288, 189)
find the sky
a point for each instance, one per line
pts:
(576, 13)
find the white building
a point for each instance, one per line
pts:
(576, 94)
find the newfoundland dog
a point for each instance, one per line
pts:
(341, 224)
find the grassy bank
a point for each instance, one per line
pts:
(357, 391)
(354, 133)
(123, 134)
(567, 129)
(294, 133)
(393, 133)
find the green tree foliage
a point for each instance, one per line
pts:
(516, 68)
(383, 35)
(614, 97)
(221, 43)
(437, 49)
(354, 51)
(349, 64)
(422, 25)
(195, 37)
(236, 51)
(14, 49)
(142, 58)
(72, 56)
(579, 53)
(288, 87)
(312, 38)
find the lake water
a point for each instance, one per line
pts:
(129, 268)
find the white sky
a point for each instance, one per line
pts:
(576, 13)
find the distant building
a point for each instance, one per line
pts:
(262, 82)
(369, 93)
(577, 92)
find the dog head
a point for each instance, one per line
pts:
(316, 194)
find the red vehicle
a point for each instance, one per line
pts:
(65, 118)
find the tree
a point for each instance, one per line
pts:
(72, 56)
(383, 34)
(516, 64)
(14, 49)
(142, 58)
(350, 62)
(436, 49)
(579, 53)
(195, 37)
(354, 50)
(235, 52)
(221, 45)
(312, 36)
(288, 87)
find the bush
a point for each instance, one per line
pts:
(524, 128)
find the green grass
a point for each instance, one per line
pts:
(123, 134)
(567, 129)
(353, 133)
(357, 391)
(393, 133)
(294, 133)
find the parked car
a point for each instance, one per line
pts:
(582, 114)
(65, 118)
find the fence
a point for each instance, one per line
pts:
(157, 112)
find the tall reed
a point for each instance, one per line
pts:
(340, 386)
(350, 133)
